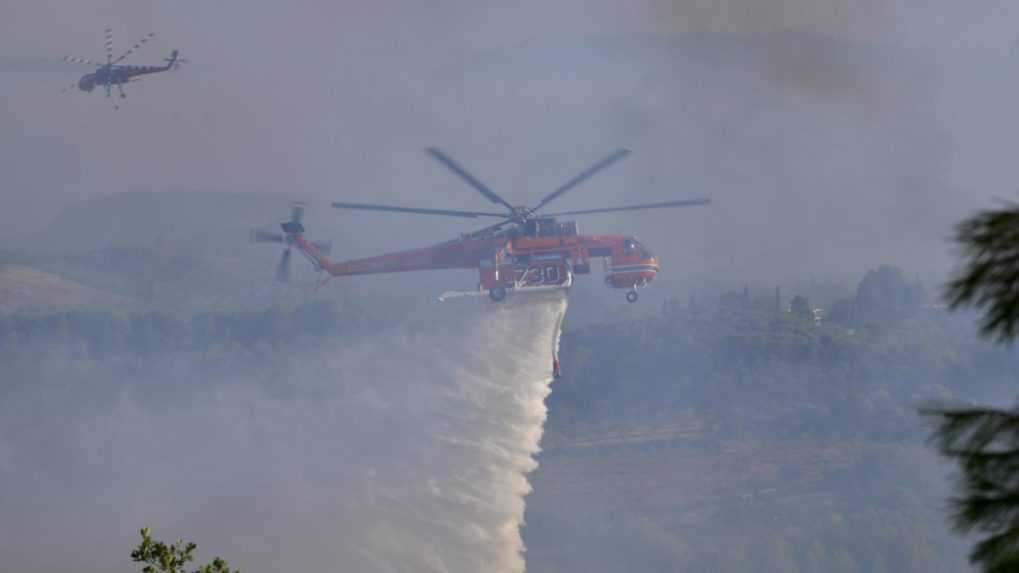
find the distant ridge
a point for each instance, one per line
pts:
(25, 289)
(139, 217)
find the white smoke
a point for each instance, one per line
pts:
(407, 451)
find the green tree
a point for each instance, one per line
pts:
(801, 308)
(159, 557)
(985, 441)
(989, 279)
(885, 294)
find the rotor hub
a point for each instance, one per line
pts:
(521, 213)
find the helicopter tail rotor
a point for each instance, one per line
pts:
(174, 61)
(292, 235)
(283, 268)
(262, 236)
(296, 211)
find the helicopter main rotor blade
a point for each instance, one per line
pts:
(480, 187)
(485, 231)
(582, 176)
(109, 46)
(86, 61)
(664, 205)
(137, 45)
(417, 210)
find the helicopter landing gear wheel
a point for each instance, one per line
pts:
(498, 294)
(631, 296)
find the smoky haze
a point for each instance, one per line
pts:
(823, 131)
(403, 451)
(831, 136)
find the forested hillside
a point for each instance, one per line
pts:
(735, 437)
(716, 434)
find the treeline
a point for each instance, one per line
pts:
(807, 429)
(752, 539)
(872, 368)
(882, 295)
(100, 334)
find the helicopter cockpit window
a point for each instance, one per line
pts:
(631, 247)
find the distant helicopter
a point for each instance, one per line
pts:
(113, 73)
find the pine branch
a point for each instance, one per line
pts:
(985, 442)
(989, 279)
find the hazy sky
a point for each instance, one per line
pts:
(856, 145)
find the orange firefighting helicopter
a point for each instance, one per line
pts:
(523, 252)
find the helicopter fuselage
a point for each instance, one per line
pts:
(117, 75)
(541, 253)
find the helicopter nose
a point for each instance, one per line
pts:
(651, 269)
(654, 268)
(630, 274)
